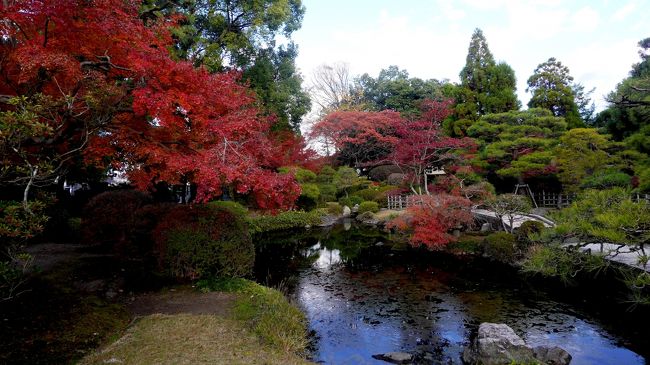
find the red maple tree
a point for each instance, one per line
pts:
(113, 87)
(428, 223)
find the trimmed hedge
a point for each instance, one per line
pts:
(286, 220)
(500, 246)
(200, 241)
(367, 206)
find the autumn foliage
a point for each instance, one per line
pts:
(113, 87)
(430, 221)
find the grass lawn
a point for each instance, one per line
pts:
(190, 339)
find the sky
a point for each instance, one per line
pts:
(596, 39)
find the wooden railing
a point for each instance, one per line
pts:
(553, 200)
(399, 202)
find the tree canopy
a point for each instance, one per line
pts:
(551, 88)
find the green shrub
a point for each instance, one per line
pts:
(368, 207)
(17, 225)
(286, 220)
(327, 192)
(231, 206)
(366, 216)
(527, 229)
(204, 241)
(607, 180)
(140, 242)
(108, 216)
(267, 311)
(368, 194)
(301, 175)
(334, 208)
(556, 261)
(500, 246)
(326, 175)
(350, 201)
(309, 196)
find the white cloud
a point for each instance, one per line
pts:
(585, 20)
(623, 12)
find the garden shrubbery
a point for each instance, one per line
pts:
(286, 220)
(368, 206)
(202, 241)
(500, 246)
(109, 216)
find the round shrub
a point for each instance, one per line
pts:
(309, 195)
(327, 192)
(367, 217)
(334, 208)
(526, 229)
(367, 194)
(141, 240)
(201, 241)
(367, 206)
(231, 206)
(108, 216)
(500, 246)
(350, 201)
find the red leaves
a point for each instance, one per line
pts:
(430, 222)
(155, 117)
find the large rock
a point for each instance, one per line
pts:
(497, 344)
(346, 211)
(395, 357)
(552, 355)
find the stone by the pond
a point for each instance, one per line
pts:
(395, 357)
(498, 344)
(486, 227)
(552, 355)
(346, 211)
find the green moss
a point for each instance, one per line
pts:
(267, 311)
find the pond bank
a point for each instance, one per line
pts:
(83, 298)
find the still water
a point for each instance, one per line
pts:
(363, 295)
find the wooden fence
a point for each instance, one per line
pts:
(553, 200)
(399, 202)
(558, 200)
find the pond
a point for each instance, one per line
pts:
(364, 295)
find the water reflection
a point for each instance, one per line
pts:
(362, 298)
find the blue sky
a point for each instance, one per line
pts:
(597, 40)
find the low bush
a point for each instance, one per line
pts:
(231, 206)
(108, 216)
(500, 246)
(527, 229)
(366, 217)
(350, 201)
(334, 208)
(267, 311)
(286, 220)
(201, 241)
(309, 196)
(327, 192)
(141, 240)
(368, 206)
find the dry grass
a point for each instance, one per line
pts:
(190, 339)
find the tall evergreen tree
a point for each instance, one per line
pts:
(552, 87)
(224, 35)
(629, 109)
(485, 87)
